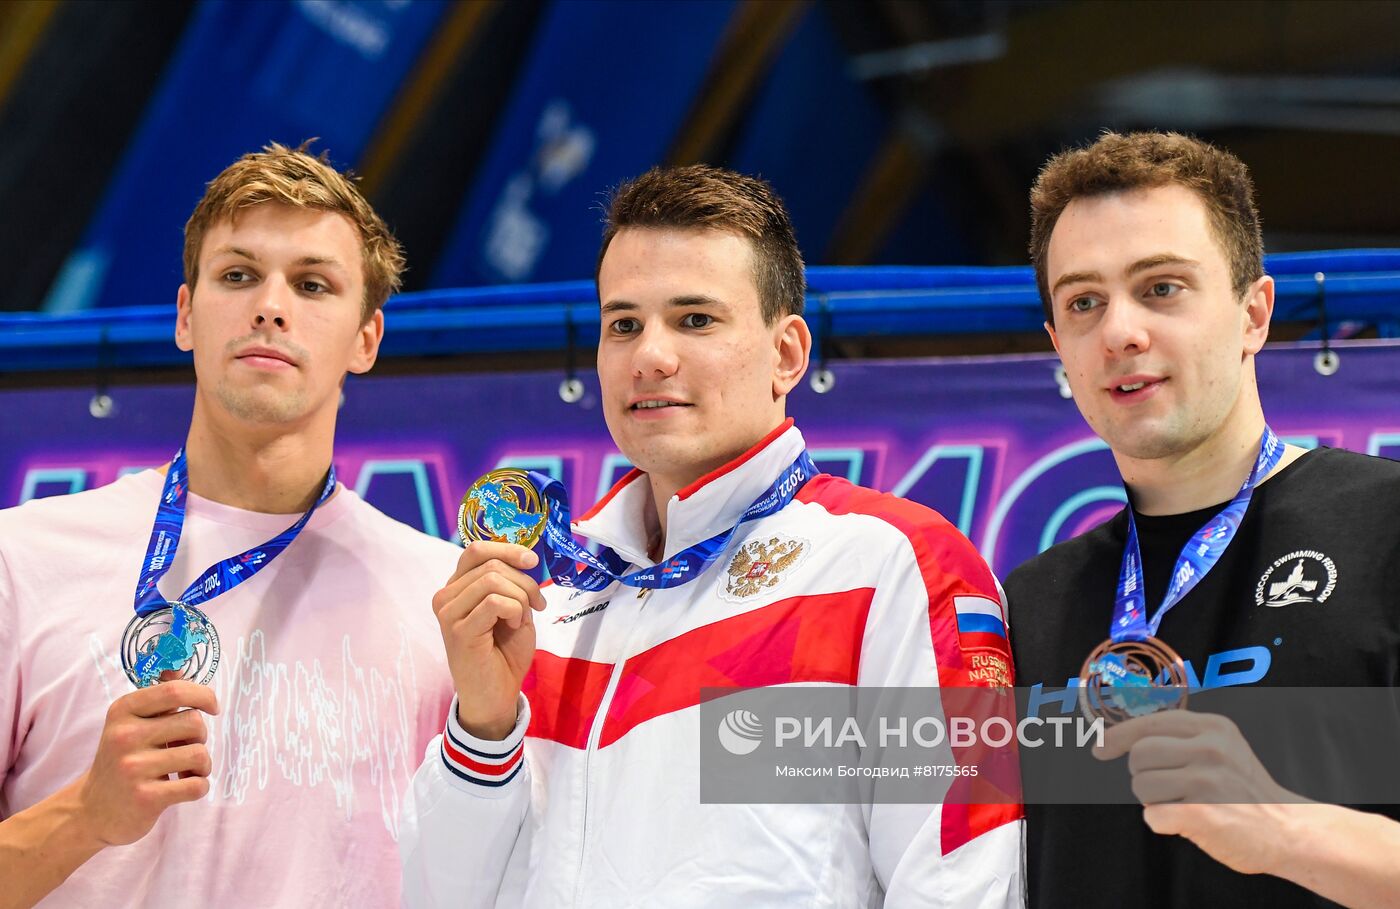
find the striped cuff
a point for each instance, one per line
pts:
(482, 762)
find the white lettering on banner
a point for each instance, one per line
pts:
(306, 725)
(348, 25)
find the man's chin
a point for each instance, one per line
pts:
(261, 406)
(655, 453)
(662, 452)
(1149, 443)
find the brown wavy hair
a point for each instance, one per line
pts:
(1118, 163)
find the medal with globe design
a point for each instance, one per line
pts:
(504, 506)
(1134, 672)
(175, 635)
(175, 638)
(1125, 679)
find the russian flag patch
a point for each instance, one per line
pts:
(983, 639)
(979, 615)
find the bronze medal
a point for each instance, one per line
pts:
(1121, 680)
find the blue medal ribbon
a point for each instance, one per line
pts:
(1199, 556)
(218, 578)
(571, 565)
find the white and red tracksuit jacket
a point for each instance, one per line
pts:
(594, 798)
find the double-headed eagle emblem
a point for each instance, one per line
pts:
(757, 565)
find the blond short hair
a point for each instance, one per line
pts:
(295, 177)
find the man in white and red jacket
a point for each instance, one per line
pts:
(569, 770)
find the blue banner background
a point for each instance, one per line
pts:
(244, 74)
(594, 105)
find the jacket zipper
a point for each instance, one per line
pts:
(596, 732)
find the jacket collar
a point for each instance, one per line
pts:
(625, 518)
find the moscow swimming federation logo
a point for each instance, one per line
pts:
(1305, 576)
(741, 731)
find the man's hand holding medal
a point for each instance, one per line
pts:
(486, 610)
(1197, 777)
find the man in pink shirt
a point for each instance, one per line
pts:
(278, 782)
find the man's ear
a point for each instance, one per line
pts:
(367, 342)
(184, 333)
(1054, 339)
(1258, 311)
(792, 341)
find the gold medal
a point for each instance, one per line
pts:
(1125, 679)
(503, 507)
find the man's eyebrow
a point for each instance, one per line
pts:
(1141, 265)
(682, 302)
(697, 300)
(319, 260)
(235, 250)
(1159, 260)
(1075, 277)
(303, 261)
